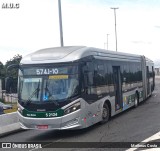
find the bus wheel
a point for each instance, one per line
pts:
(136, 100)
(105, 113)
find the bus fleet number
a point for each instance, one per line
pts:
(51, 114)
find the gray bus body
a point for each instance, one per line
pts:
(89, 79)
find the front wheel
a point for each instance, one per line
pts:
(105, 114)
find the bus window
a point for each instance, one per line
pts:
(99, 78)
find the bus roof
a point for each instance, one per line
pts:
(73, 53)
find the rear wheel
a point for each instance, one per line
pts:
(136, 100)
(105, 113)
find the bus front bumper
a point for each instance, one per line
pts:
(70, 121)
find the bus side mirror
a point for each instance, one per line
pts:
(9, 81)
(16, 66)
(9, 84)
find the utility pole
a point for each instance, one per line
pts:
(114, 8)
(60, 22)
(107, 41)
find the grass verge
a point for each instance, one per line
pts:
(14, 109)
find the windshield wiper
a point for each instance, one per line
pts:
(33, 93)
(50, 95)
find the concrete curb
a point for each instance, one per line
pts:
(9, 123)
(9, 118)
(4, 130)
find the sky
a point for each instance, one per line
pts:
(35, 25)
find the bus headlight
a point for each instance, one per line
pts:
(72, 108)
(20, 108)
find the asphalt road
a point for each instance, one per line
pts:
(134, 125)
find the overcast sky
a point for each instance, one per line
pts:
(35, 26)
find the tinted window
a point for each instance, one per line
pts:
(99, 78)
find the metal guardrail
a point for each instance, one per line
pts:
(13, 97)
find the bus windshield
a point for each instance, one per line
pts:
(60, 87)
(30, 88)
(56, 87)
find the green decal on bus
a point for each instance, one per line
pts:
(57, 113)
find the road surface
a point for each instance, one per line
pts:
(134, 125)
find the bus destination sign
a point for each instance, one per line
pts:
(50, 70)
(46, 71)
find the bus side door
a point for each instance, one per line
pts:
(117, 87)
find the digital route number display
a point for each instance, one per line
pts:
(47, 71)
(50, 70)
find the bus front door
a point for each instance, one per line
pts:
(117, 87)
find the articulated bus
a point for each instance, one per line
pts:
(75, 87)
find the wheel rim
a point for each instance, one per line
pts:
(104, 115)
(136, 102)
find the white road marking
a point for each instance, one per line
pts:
(153, 137)
(151, 149)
